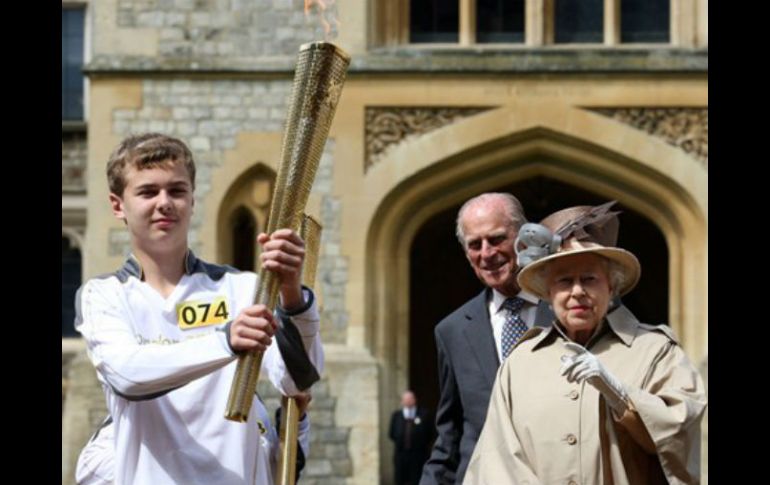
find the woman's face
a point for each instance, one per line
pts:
(580, 293)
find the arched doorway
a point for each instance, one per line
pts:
(441, 278)
(243, 234)
(495, 151)
(242, 215)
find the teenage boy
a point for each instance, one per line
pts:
(165, 329)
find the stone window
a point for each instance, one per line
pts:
(433, 21)
(578, 21)
(538, 22)
(72, 37)
(644, 21)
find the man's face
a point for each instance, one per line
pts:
(156, 205)
(489, 239)
(408, 400)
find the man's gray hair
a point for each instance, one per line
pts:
(513, 207)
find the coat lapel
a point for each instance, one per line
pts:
(544, 316)
(478, 332)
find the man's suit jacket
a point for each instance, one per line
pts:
(467, 366)
(408, 462)
(422, 432)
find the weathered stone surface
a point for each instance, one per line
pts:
(74, 147)
(403, 60)
(84, 409)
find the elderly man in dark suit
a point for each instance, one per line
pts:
(474, 339)
(411, 431)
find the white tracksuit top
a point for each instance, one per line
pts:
(166, 372)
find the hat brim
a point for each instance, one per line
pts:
(532, 277)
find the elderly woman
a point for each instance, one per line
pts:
(588, 401)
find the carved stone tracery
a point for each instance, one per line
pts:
(387, 126)
(685, 128)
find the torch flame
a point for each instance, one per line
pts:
(325, 16)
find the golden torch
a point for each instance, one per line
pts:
(318, 80)
(287, 460)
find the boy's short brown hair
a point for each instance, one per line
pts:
(147, 150)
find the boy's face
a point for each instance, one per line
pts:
(156, 205)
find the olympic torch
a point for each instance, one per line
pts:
(289, 429)
(318, 80)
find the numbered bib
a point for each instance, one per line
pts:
(194, 314)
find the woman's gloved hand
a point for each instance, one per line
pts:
(584, 365)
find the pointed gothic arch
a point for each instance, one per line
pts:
(420, 178)
(243, 214)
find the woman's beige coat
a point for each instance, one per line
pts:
(542, 429)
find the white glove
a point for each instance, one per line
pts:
(585, 366)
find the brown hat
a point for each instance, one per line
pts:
(576, 230)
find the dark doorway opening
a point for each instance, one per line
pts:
(71, 263)
(244, 233)
(441, 279)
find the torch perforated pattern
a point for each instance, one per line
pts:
(318, 80)
(311, 234)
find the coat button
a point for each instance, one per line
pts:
(571, 439)
(574, 394)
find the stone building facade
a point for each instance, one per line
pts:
(419, 128)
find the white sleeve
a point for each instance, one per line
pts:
(96, 463)
(134, 370)
(303, 436)
(308, 322)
